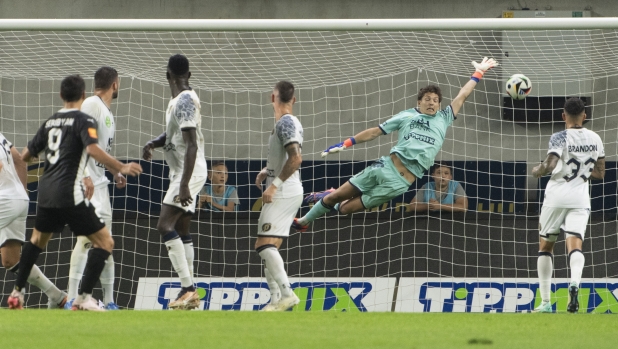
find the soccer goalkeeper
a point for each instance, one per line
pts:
(421, 134)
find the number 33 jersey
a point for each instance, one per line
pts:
(64, 138)
(578, 150)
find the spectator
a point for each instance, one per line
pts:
(443, 194)
(217, 196)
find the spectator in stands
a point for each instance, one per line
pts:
(217, 196)
(443, 194)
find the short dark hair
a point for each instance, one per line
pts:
(104, 77)
(216, 163)
(286, 91)
(439, 164)
(430, 89)
(574, 107)
(178, 65)
(72, 88)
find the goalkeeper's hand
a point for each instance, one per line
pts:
(485, 65)
(339, 146)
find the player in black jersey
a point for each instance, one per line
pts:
(68, 139)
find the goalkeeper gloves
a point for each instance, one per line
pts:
(481, 68)
(339, 146)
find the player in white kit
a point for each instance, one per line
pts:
(183, 144)
(106, 85)
(282, 197)
(575, 155)
(13, 212)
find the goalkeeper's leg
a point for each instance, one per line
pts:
(332, 201)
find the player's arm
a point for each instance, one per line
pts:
(546, 167)
(100, 155)
(362, 137)
(153, 144)
(261, 176)
(189, 136)
(416, 206)
(460, 205)
(466, 90)
(292, 164)
(598, 172)
(21, 167)
(35, 146)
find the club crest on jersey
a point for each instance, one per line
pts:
(266, 226)
(108, 121)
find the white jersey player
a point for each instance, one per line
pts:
(106, 85)
(282, 197)
(183, 145)
(575, 155)
(13, 212)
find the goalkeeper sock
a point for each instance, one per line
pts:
(576, 260)
(545, 268)
(29, 254)
(316, 212)
(96, 262)
(274, 263)
(176, 252)
(107, 280)
(187, 243)
(273, 287)
(79, 257)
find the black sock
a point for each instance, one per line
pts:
(94, 266)
(29, 254)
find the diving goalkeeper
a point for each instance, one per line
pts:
(421, 132)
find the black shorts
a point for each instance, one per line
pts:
(82, 219)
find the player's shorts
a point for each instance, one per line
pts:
(13, 215)
(379, 183)
(82, 219)
(195, 185)
(102, 205)
(572, 221)
(277, 217)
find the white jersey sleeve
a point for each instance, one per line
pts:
(11, 187)
(95, 107)
(578, 150)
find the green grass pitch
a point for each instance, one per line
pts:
(165, 329)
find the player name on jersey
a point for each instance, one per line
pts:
(582, 148)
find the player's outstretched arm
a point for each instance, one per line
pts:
(189, 136)
(546, 167)
(292, 164)
(21, 167)
(466, 90)
(100, 155)
(598, 172)
(362, 137)
(153, 144)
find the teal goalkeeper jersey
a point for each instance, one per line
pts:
(420, 136)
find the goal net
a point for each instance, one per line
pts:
(385, 259)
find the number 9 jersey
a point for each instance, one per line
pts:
(578, 150)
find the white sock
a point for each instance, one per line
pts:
(107, 280)
(274, 263)
(79, 257)
(275, 292)
(545, 268)
(176, 252)
(577, 266)
(36, 278)
(190, 254)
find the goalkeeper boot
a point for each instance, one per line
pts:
(69, 305)
(16, 300)
(315, 197)
(573, 305)
(299, 227)
(112, 306)
(58, 303)
(286, 303)
(87, 303)
(545, 307)
(187, 299)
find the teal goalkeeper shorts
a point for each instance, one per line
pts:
(379, 183)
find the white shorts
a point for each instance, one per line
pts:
(277, 217)
(13, 215)
(195, 185)
(103, 206)
(572, 221)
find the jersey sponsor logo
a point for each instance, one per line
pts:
(332, 294)
(59, 122)
(92, 132)
(582, 148)
(510, 295)
(418, 137)
(108, 121)
(420, 124)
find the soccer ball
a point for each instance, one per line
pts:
(518, 86)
